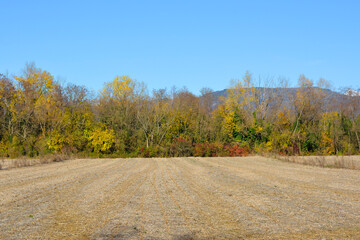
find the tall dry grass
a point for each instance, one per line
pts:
(346, 162)
(7, 163)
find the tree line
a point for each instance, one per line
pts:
(40, 116)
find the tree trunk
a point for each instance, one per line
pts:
(357, 138)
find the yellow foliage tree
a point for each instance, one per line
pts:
(241, 94)
(101, 140)
(121, 88)
(34, 85)
(36, 81)
(328, 133)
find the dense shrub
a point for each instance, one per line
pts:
(220, 150)
(149, 152)
(236, 150)
(208, 149)
(181, 147)
(4, 149)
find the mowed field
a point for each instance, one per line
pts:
(179, 198)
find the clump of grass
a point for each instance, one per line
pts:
(59, 157)
(22, 162)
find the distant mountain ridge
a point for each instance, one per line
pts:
(287, 92)
(330, 96)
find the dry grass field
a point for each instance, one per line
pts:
(179, 198)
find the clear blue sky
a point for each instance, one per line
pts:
(183, 43)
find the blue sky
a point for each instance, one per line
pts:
(183, 43)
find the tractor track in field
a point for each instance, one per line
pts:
(179, 198)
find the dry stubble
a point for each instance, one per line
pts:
(179, 198)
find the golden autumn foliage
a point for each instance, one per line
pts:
(328, 137)
(36, 81)
(55, 142)
(122, 87)
(40, 116)
(101, 140)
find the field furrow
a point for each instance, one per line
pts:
(179, 198)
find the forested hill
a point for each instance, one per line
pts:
(330, 97)
(286, 92)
